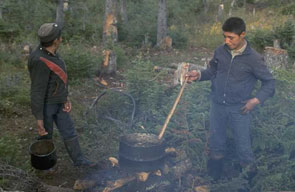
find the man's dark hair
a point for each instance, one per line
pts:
(235, 25)
(48, 44)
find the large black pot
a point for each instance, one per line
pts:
(43, 154)
(141, 152)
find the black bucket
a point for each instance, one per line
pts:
(43, 154)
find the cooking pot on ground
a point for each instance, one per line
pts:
(141, 152)
(43, 154)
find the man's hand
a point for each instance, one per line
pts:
(67, 106)
(192, 75)
(40, 128)
(250, 104)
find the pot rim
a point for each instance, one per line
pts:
(43, 155)
(124, 139)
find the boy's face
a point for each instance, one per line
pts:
(234, 41)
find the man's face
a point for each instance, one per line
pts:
(234, 41)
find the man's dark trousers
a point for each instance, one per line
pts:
(53, 113)
(223, 116)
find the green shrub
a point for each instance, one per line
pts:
(122, 59)
(148, 93)
(289, 10)
(10, 150)
(179, 38)
(14, 92)
(142, 22)
(284, 33)
(79, 62)
(84, 21)
(260, 39)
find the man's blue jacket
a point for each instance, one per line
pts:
(233, 80)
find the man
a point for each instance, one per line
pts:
(49, 92)
(233, 71)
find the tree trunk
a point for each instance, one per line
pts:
(110, 37)
(109, 65)
(205, 4)
(231, 7)
(60, 16)
(1, 4)
(123, 11)
(162, 22)
(220, 14)
(110, 31)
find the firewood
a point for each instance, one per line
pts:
(114, 161)
(168, 70)
(158, 173)
(170, 150)
(203, 188)
(166, 169)
(118, 183)
(83, 184)
(103, 82)
(143, 176)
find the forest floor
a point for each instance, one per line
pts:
(21, 125)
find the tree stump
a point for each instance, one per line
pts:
(109, 65)
(276, 58)
(166, 43)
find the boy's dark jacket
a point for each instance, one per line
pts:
(233, 80)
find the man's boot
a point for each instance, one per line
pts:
(215, 168)
(74, 150)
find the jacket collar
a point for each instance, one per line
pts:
(43, 49)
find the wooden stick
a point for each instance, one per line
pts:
(172, 110)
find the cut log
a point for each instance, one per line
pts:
(170, 150)
(203, 188)
(276, 58)
(118, 183)
(142, 176)
(84, 184)
(158, 173)
(168, 70)
(114, 161)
